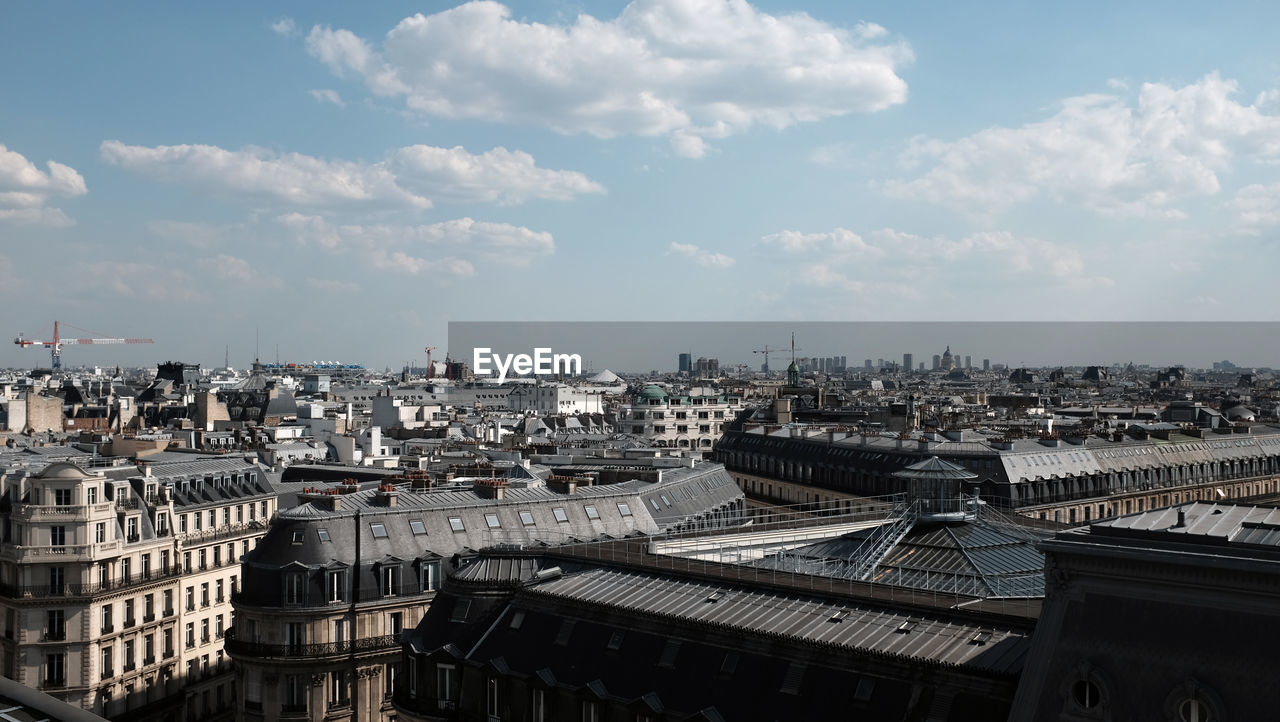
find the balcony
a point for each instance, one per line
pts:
(385, 643)
(296, 709)
(108, 628)
(37, 591)
(148, 618)
(204, 639)
(130, 622)
(57, 635)
(168, 611)
(53, 683)
(53, 512)
(129, 668)
(107, 673)
(147, 661)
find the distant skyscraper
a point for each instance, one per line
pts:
(686, 362)
(922, 366)
(986, 364)
(968, 361)
(868, 364)
(907, 361)
(937, 362)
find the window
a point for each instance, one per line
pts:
(182, 523)
(538, 705)
(338, 689)
(217, 626)
(492, 521)
(55, 670)
(218, 597)
(379, 530)
(299, 535)
(213, 518)
(148, 607)
(590, 711)
(195, 519)
(446, 676)
(526, 518)
(100, 532)
(323, 534)
(126, 569)
(559, 514)
(455, 523)
(58, 536)
(591, 512)
(62, 497)
(146, 566)
(107, 670)
(128, 613)
(128, 655)
(168, 602)
(168, 643)
(336, 586)
(293, 588)
(204, 631)
(131, 527)
(390, 581)
(164, 562)
(204, 558)
(56, 628)
(491, 697)
(427, 578)
(397, 623)
(91, 495)
(107, 626)
(417, 526)
(294, 635)
(186, 562)
(623, 509)
(1086, 694)
(204, 594)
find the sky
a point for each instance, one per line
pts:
(339, 181)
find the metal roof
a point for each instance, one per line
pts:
(811, 620)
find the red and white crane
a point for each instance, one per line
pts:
(55, 345)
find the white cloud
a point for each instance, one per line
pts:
(690, 71)
(1018, 254)
(1256, 207)
(1099, 152)
(449, 246)
(285, 26)
(841, 242)
(407, 178)
(327, 95)
(701, 257)
(290, 178)
(499, 175)
(25, 190)
(237, 270)
(140, 281)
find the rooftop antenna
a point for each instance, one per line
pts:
(256, 356)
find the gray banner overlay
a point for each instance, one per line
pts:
(644, 346)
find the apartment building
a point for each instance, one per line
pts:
(115, 581)
(339, 578)
(692, 420)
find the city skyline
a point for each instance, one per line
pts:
(343, 181)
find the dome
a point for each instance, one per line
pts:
(652, 392)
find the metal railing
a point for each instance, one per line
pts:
(24, 591)
(320, 649)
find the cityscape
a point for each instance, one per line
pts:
(639, 361)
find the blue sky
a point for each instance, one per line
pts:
(342, 180)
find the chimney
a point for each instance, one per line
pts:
(562, 484)
(388, 495)
(1182, 519)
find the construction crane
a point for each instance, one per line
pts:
(766, 351)
(430, 368)
(55, 345)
